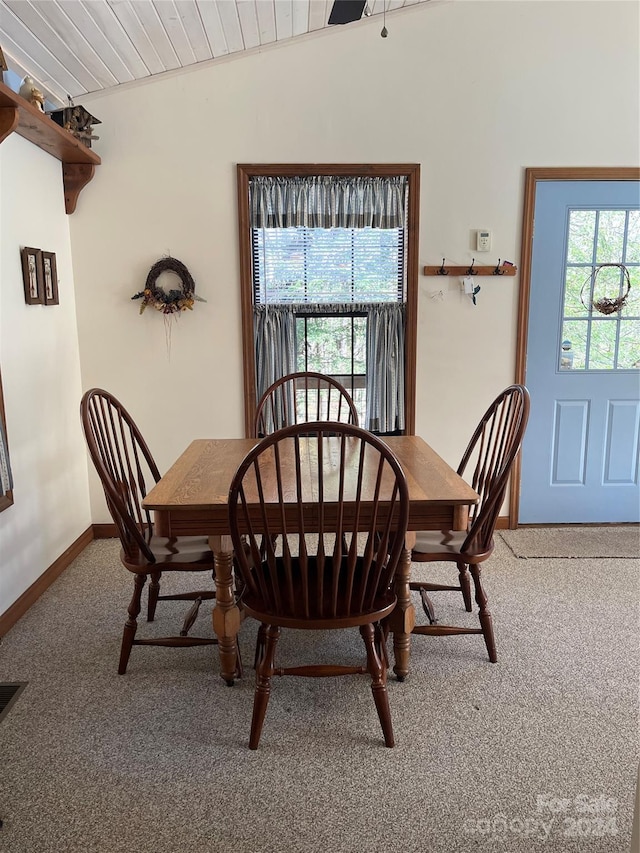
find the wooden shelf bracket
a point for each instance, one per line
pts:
(8, 121)
(75, 176)
(78, 161)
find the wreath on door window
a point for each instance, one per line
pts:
(605, 304)
(169, 301)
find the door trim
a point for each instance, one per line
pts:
(532, 176)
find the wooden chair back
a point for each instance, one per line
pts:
(325, 542)
(125, 466)
(300, 398)
(489, 457)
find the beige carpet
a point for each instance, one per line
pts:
(579, 542)
(535, 754)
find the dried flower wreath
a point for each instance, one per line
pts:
(168, 301)
(605, 304)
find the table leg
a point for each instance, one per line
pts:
(226, 614)
(403, 618)
(460, 517)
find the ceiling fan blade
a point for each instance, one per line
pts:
(346, 11)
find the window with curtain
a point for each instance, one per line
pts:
(329, 280)
(6, 480)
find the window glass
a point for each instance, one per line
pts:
(575, 333)
(632, 305)
(602, 345)
(573, 307)
(611, 232)
(629, 352)
(633, 238)
(582, 224)
(335, 345)
(603, 247)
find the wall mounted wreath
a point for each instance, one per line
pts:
(169, 301)
(605, 304)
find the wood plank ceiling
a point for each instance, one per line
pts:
(80, 46)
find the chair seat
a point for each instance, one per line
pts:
(190, 552)
(434, 545)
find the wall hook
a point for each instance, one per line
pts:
(497, 270)
(471, 270)
(442, 270)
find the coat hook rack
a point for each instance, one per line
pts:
(504, 268)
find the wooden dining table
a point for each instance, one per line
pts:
(192, 499)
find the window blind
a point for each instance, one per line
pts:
(320, 265)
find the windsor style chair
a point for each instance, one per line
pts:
(486, 465)
(335, 500)
(127, 470)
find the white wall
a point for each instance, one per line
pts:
(40, 366)
(473, 91)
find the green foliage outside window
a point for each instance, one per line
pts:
(600, 342)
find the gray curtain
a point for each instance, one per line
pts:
(331, 201)
(274, 329)
(385, 383)
(275, 344)
(6, 481)
(327, 201)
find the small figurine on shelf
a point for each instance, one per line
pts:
(77, 121)
(30, 92)
(3, 65)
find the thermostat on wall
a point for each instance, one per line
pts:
(483, 241)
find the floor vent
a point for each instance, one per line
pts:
(8, 695)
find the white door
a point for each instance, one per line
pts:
(581, 449)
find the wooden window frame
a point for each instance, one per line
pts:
(246, 171)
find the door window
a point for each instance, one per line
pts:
(602, 262)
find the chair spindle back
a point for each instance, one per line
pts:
(124, 464)
(303, 397)
(490, 455)
(306, 558)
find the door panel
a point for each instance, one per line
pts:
(569, 445)
(621, 452)
(580, 453)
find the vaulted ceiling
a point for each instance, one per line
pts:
(74, 47)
